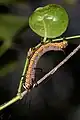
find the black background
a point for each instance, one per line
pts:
(59, 97)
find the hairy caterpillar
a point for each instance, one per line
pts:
(35, 56)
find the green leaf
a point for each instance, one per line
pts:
(9, 26)
(49, 21)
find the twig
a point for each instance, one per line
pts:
(27, 60)
(21, 95)
(59, 65)
(59, 39)
(66, 38)
(18, 97)
(22, 77)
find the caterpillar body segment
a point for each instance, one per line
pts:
(35, 56)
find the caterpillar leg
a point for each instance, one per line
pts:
(24, 86)
(35, 81)
(40, 69)
(27, 88)
(35, 84)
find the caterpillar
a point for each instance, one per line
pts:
(35, 56)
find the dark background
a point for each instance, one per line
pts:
(58, 98)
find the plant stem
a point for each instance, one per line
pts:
(22, 77)
(18, 97)
(21, 95)
(59, 65)
(67, 38)
(45, 30)
(44, 40)
(38, 45)
(59, 39)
